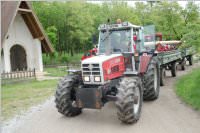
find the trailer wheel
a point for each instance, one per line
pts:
(65, 96)
(190, 59)
(162, 76)
(152, 81)
(173, 69)
(130, 98)
(183, 62)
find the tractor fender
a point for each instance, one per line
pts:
(145, 59)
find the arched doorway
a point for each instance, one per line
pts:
(18, 58)
(2, 60)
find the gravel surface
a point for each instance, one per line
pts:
(168, 114)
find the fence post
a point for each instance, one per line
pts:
(34, 73)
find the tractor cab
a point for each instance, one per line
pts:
(118, 38)
(128, 40)
(125, 37)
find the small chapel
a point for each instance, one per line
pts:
(23, 39)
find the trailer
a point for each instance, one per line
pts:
(170, 59)
(187, 54)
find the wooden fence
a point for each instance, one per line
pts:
(68, 65)
(18, 75)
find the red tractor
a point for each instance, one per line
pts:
(123, 71)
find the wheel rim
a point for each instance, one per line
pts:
(136, 104)
(74, 104)
(155, 79)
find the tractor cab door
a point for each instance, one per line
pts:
(149, 38)
(144, 39)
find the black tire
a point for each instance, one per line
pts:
(183, 62)
(183, 67)
(173, 69)
(190, 59)
(162, 76)
(65, 96)
(128, 90)
(151, 83)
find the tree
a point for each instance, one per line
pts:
(72, 26)
(190, 13)
(192, 36)
(52, 34)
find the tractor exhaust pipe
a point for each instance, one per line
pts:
(108, 45)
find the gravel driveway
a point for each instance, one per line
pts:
(166, 115)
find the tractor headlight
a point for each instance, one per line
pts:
(86, 78)
(97, 79)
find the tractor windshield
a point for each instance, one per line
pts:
(120, 41)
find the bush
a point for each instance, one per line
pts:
(61, 59)
(64, 59)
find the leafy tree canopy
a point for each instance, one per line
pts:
(72, 26)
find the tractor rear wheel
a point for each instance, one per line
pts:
(130, 98)
(65, 96)
(162, 76)
(152, 81)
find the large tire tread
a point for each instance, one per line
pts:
(149, 92)
(63, 97)
(125, 100)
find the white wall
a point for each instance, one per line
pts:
(19, 34)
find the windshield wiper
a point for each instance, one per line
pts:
(106, 36)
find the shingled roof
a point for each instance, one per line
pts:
(9, 10)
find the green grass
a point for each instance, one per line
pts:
(20, 96)
(56, 72)
(188, 88)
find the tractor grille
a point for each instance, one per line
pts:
(91, 69)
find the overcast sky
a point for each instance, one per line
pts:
(132, 2)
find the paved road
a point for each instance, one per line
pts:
(165, 115)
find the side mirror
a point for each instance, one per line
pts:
(135, 38)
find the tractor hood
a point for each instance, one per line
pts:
(100, 58)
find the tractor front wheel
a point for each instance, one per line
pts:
(65, 96)
(130, 97)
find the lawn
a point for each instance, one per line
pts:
(188, 88)
(20, 96)
(56, 72)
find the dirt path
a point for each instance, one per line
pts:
(165, 115)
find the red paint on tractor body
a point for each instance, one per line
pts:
(144, 62)
(113, 68)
